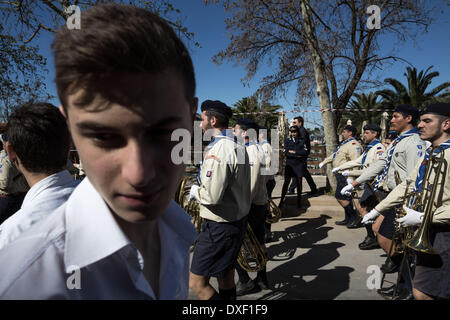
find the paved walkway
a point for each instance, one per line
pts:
(312, 258)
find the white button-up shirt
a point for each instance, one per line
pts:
(80, 252)
(44, 197)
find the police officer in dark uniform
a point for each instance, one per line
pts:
(295, 151)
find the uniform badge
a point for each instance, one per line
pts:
(208, 174)
(251, 164)
(419, 147)
(419, 154)
(358, 149)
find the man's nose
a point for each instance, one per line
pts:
(137, 168)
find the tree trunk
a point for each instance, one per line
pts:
(328, 117)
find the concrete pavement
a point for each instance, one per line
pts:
(312, 258)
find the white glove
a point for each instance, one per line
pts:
(347, 190)
(345, 173)
(335, 170)
(370, 217)
(350, 180)
(412, 218)
(193, 192)
(321, 165)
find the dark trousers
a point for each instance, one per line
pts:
(10, 205)
(309, 179)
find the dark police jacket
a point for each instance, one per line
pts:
(300, 149)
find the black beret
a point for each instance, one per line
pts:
(247, 124)
(217, 106)
(372, 127)
(392, 135)
(407, 110)
(350, 128)
(442, 109)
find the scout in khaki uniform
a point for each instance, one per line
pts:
(432, 272)
(224, 195)
(401, 156)
(348, 150)
(13, 186)
(248, 129)
(373, 151)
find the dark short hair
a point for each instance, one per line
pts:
(222, 121)
(40, 138)
(300, 119)
(116, 39)
(408, 110)
(350, 128)
(294, 128)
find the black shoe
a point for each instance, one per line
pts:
(369, 243)
(243, 289)
(291, 192)
(281, 205)
(268, 237)
(387, 292)
(342, 223)
(313, 193)
(389, 267)
(405, 294)
(263, 284)
(355, 224)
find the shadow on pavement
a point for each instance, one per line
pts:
(300, 277)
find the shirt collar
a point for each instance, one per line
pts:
(86, 211)
(57, 179)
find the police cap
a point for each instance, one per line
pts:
(217, 106)
(441, 109)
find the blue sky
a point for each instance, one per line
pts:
(224, 82)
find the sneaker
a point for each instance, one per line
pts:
(243, 289)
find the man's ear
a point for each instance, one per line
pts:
(194, 106)
(10, 151)
(61, 109)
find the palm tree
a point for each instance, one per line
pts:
(362, 108)
(415, 94)
(263, 113)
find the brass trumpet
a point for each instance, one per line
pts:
(421, 239)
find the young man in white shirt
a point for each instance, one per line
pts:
(125, 82)
(38, 144)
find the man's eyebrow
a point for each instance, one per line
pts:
(92, 125)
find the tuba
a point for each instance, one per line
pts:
(421, 239)
(252, 256)
(274, 212)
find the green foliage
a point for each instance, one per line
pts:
(415, 94)
(363, 107)
(263, 113)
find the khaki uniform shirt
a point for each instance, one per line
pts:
(257, 180)
(441, 204)
(404, 159)
(347, 152)
(11, 180)
(224, 192)
(375, 153)
(268, 153)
